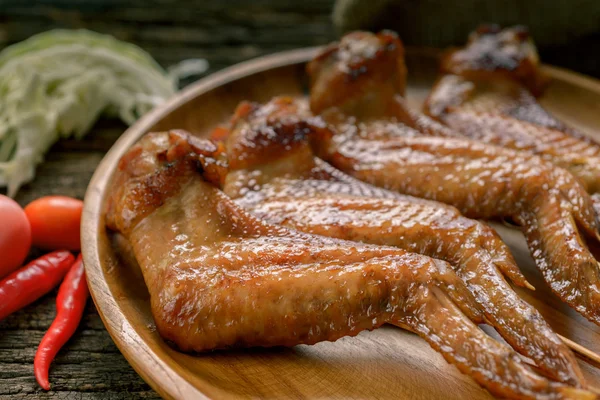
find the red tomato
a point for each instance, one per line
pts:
(55, 222)
(15, 235)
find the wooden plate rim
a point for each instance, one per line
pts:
(141, 356)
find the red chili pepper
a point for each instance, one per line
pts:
(70, 303)
(32, 281)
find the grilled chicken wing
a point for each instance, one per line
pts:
(219, 277)
(275, 175)
(487, 94)
(482, 181)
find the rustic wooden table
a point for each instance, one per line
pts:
(90, 366)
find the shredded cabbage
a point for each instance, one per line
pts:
(56, 84)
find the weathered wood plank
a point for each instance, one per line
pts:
(90, 366)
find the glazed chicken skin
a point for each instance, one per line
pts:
(368, 141)
(274, 174)
(487, 93)
(219, 277)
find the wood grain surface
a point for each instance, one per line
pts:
(386, 363)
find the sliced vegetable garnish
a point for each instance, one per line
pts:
(56, 84)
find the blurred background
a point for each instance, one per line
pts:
(223, 32)
(226, 32)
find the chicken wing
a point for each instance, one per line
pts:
(487, 94)
(481, 180)
(274, 174)
(219, 277)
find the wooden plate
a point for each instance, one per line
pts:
(386, 363)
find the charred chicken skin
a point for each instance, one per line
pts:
(219, 277)
(369, 141)
(274, 174)
(488, 91)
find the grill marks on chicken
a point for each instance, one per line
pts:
(487, 94)
(287, 185)
(482, 181)
(219, 277)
